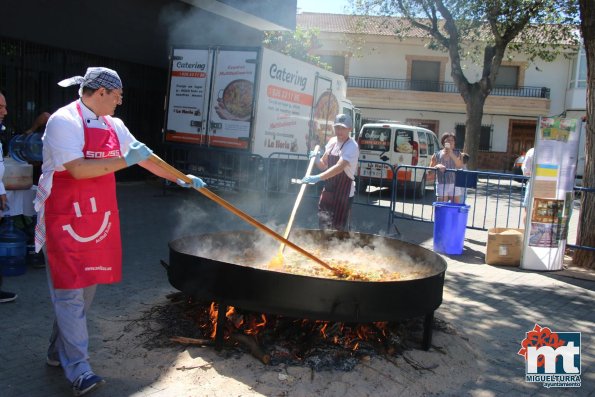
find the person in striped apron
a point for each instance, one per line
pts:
(338, 163)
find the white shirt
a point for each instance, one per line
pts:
(63, 141)
(527, 166)
(349, 153)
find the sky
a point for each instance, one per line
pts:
(330, 6)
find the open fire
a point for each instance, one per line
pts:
(359, 316)
(274, 339)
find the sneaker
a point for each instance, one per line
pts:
(51, 362)
(86, 383)
(7, 296)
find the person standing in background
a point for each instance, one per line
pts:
(451, 159)
(5, 296)
(527, 168)
(339, 163)
(38, 126)
(78, 222)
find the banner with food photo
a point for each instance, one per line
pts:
(232, 100)
(188, 95)
(297, 104)
(550, 193)
(327, 107)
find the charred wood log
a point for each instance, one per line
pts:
(191, 341)
(251, 344)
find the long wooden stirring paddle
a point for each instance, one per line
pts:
(236, 211)
(277, 261)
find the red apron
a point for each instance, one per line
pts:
(82, 220)
(333, 207)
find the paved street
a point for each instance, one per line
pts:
(491, 306)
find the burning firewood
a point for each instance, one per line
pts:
(191, 341)
(252, 345)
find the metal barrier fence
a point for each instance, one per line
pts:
(375, 186)
(220, 169)
(406, 192)
(495, 198)
(285, 170)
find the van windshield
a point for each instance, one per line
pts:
(375, 138)
(403, 141)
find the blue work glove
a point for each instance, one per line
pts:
(197, 183)
(317, 155)
(137, 152)
(311, 179)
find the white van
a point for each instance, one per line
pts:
(396, 144)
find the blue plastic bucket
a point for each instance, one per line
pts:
(450, 223)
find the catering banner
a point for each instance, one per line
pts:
(188, 95)
(551, 193)
(233, 97)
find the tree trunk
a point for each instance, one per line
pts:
(474, 103)
(586, 235)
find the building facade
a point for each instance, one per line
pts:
(393, 79)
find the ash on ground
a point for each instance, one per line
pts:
(320, 345)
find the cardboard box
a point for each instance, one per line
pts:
(504, 246)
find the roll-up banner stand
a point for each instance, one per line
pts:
(551, 193)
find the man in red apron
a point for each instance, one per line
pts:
(338, 163)
(78, 220)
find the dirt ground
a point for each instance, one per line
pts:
(141, 347)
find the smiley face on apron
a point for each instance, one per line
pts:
(104, 225)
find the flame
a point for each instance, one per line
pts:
(347, 336)
(255, 326)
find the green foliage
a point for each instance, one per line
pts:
(296, 44)
(541, 29)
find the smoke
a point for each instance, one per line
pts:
(189, 26)
(377, 257)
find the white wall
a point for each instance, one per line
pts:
(386, 58)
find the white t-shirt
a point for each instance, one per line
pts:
(64, 139)
(349, 153)
(527, 166)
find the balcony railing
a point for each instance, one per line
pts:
(437, 86)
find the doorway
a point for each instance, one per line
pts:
(521, 137)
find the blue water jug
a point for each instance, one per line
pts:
(34, 147)
(13, 249)
(25, 148)
(16, 148)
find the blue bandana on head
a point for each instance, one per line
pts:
(95, 77)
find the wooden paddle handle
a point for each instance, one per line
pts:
(298, 200)
(180, 175)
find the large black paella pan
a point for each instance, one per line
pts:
(230, 268)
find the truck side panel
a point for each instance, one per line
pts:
(297, 103)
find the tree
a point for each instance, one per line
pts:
(483, 30)
(587, 232)
(297, 44)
